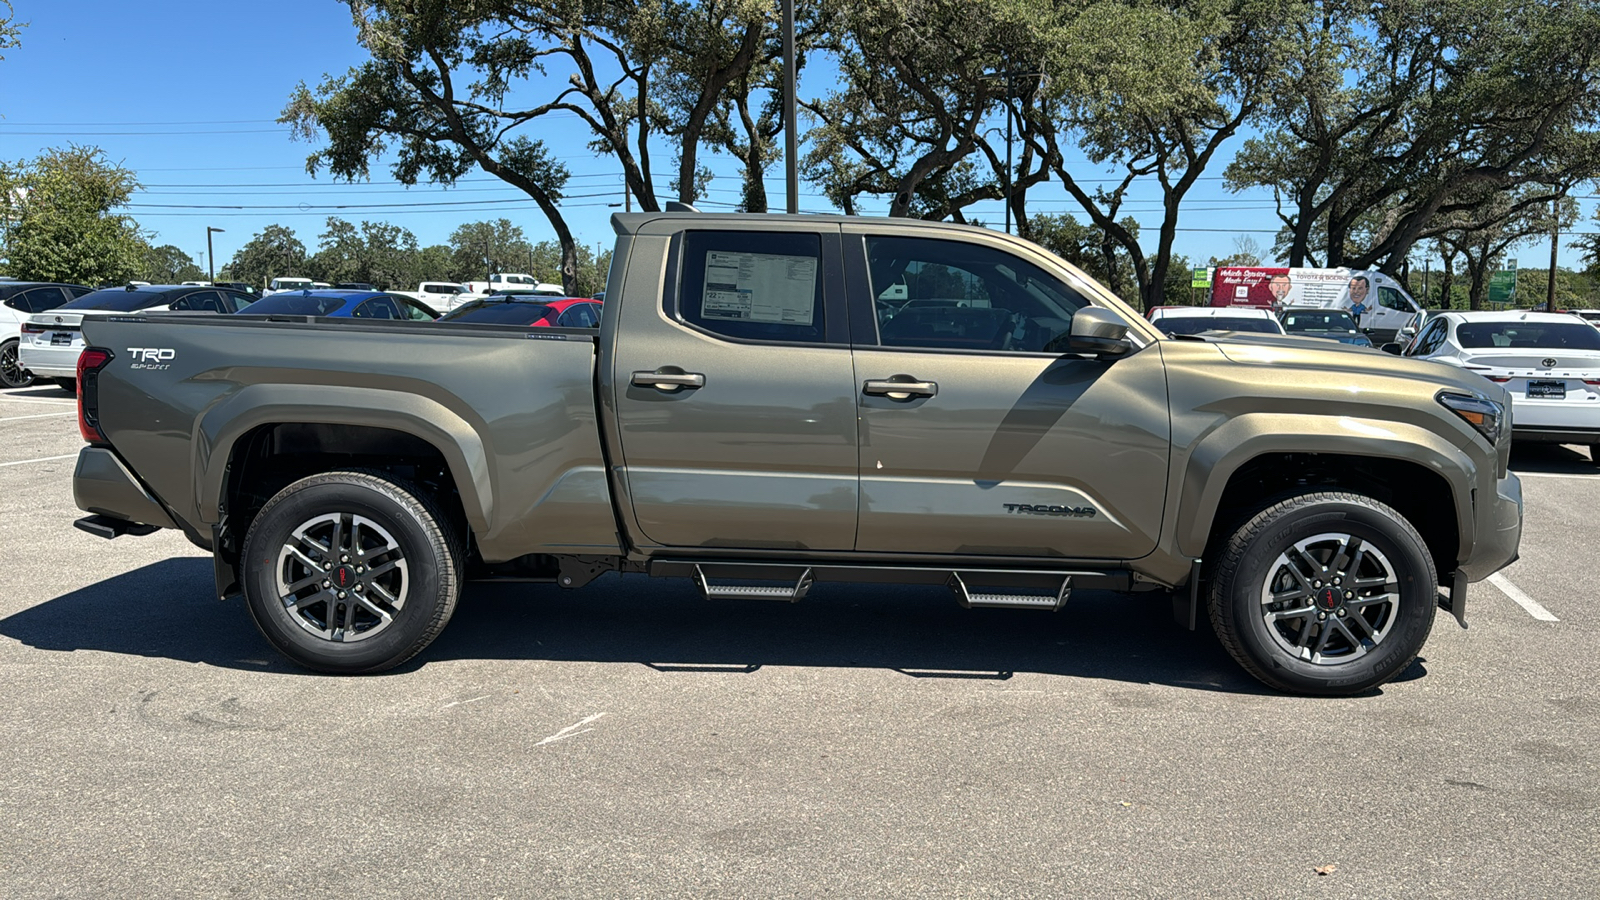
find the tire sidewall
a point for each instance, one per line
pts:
(272, 529)
(1414, 618)
(15, 347)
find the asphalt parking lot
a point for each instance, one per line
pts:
(631, 739)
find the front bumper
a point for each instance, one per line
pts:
(1499, 530)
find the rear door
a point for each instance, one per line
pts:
(734, 391)
(980, 434)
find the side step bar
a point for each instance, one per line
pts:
(792, 593)
(970, 599)
(109, 527)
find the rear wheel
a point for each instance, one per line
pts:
(351, 572)
(12, 374)
(1324, 593)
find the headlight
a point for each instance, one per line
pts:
(1487, 416)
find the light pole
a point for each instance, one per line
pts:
(211, 257)
(1006, 186)
(791, 172)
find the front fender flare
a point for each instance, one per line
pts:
(1214, 459)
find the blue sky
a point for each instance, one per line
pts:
(185, 93)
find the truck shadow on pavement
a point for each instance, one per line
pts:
(1551, 459)
(166, 610)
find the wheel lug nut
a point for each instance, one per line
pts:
(343, 558)
(359, 588)
(1316, 584)
(1320, 616)
(1341, 612)
(1349, 595)
(327, 584)
(341, 595)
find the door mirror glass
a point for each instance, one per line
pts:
(1100, 331)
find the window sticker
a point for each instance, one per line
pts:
(759, 287)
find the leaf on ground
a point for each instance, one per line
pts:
(1327, 869)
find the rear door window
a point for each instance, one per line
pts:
(760, 286)
(377, 308)
(581, 315)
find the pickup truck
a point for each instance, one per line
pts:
(774, 401)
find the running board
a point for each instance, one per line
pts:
(791, 593)
(976, 600)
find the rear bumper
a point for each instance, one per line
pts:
(49, 362)
(1499, 531)
(1556, 435)
(104, 486)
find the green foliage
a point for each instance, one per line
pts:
(275, 252)
(63, 225)
(480, 248)
(1089, 248)
(10, 28)
(377, 253)
(167, 264)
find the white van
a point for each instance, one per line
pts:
(1388, 309)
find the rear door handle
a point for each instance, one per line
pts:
(669, 379)
(900, 387)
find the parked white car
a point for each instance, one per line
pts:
(1548, 362)
(51, 341)
(18, 301)
(287, 284)
(440, 295)
(1196, 319)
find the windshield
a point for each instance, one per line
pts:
(1198, 324)
(122, 300)
(503, 313)
(300, 305)
(1529, 335)
(1319, 320)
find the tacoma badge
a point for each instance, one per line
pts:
(1079, 512)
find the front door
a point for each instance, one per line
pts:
(980, 434)
(735, 393)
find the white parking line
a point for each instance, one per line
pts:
(8, 398)
(23, 462)
(37, 416)
(1530, 605)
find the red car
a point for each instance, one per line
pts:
(528, 311)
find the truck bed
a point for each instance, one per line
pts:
(511, 411)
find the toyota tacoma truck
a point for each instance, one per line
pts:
(774, 401)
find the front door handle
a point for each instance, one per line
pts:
(900, 387)
(669, 379)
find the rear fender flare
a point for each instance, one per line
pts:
(220, 428)
(1216, 457)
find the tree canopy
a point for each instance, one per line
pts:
(63, 218)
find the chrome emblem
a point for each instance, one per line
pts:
(58, 320)
(1549, 363)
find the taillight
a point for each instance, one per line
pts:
(90, 362)
(32, 329)
(1497, 379)
(1593, 381)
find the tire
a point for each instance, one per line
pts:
(12, 374)
(70, 385)
(1376, 608)
(408, 567)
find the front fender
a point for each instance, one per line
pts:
(1214, 459)
(255, 405)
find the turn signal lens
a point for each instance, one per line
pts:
(1486, 416)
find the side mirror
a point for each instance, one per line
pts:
(1396, 349)
(1098, 330)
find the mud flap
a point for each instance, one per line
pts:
(1456, 603)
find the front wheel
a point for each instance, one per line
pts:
(12, 374)
(351, 572)
(1324, 593)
